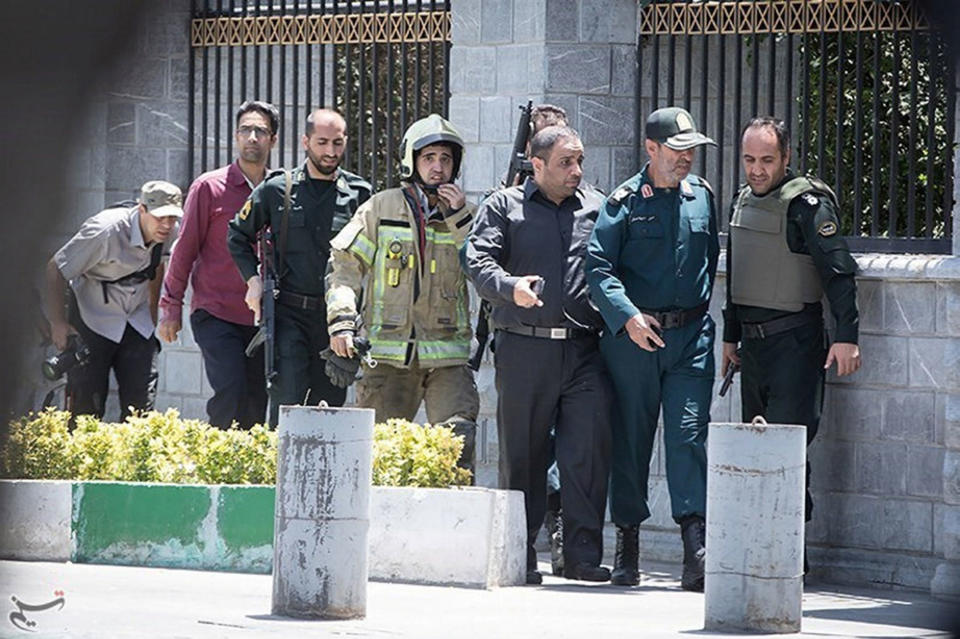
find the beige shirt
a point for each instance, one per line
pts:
(107, 247)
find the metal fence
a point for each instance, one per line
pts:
(867, 89)
(382, 63)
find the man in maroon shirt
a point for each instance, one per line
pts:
(222, 324)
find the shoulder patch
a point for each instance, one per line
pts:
(811, 199)
(245, 211)
(827, 228)
(620, 195)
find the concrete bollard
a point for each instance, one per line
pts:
(322, 512)
(755, 501)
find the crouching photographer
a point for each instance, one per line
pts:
(113, 267)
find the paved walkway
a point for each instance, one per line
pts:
(102, 602)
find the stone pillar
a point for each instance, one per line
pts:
(577, 54)
(322, 512)
(755, 502)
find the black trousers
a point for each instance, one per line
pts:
(782, 379)
(239, 388)
(134, 363)
(543, 383)
(301, 378)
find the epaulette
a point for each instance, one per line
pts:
(620, 195)
(355, 180)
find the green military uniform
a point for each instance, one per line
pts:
(784, 252)
(319, 209)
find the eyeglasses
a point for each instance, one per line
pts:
(259, 131)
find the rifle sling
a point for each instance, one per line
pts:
(284, 224)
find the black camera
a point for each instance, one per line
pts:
(75, 353)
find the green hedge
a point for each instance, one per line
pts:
(162, 447)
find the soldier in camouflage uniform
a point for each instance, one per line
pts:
(323, 198)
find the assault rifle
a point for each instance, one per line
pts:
(268, 310)
(518, 171)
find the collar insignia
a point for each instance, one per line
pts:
(646, 190)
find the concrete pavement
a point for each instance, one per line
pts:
(102, 602)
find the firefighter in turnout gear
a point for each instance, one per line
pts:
(400, 255)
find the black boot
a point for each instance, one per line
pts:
(626, 562)
(554, 523)
(693, 530)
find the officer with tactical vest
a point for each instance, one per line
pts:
(399, 254)
(651, 266)
(322, 198)
(784, 252)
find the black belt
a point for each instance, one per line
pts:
(549, 333)
(303, 302)
(680, 318)
(762, 330)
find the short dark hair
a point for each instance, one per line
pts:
(265, 109)
(544, 115)
(779, 128)
(312, 116)
(547, 137)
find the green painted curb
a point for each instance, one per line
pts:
(173, 526)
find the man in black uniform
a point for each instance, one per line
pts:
(323, 198)
(784, 252)
(525, 255)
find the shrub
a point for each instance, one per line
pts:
(162, 447)
(406, 454)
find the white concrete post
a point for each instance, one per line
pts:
(755, 501)
(322, 512)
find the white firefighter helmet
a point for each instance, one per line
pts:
(424, 132)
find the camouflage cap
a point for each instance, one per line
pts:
(162, 198)
(674, 127)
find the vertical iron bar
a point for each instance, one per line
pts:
(347, 109)
(654, 76)
(256, 62)
(638, 101)
(270, 71)
(417, 86)
(822, 108)
(858, 141)
(772, 76)
(433, 80)
(893, 163)
(875, 176)
(841, 103)
(243, 61)
(788, 85)
(404, 72)
(216, 96)
(230, 105)
(912, 146)
(688, 73)
(737, 109)
(362, 74)
(323, 66)
(705, 39)
(931, 121)
(754, 74)
(205, 118)
(950, 87)
(295, 78)
(191, 98)
(671, 68)
(446, 70)
(282, 88)
(388, 162)
(721, 125)
(308, 72)
(375, 148)
(805, 104)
